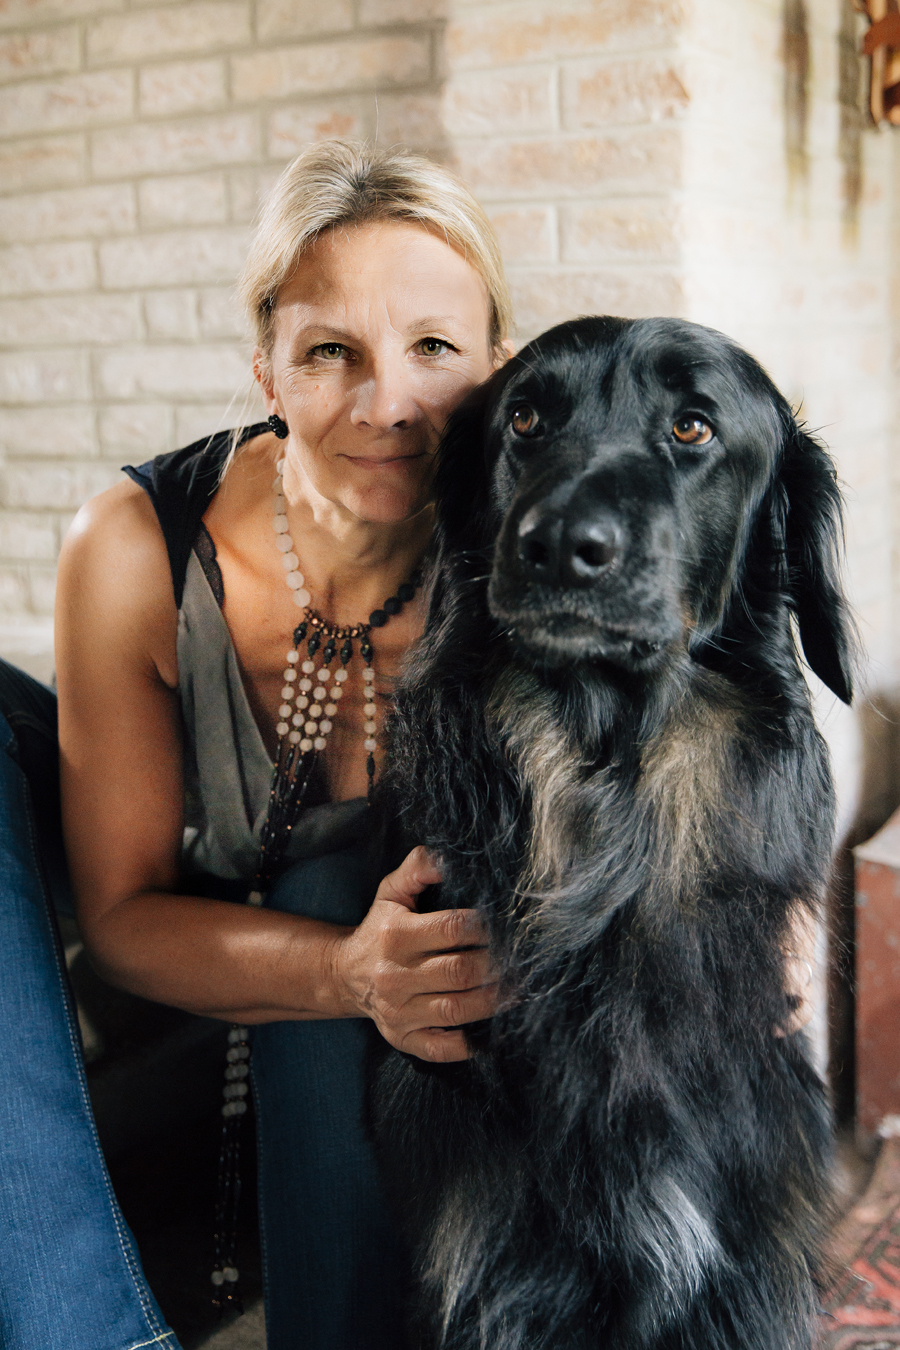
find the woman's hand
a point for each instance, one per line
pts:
(799, 965)
(420, 977)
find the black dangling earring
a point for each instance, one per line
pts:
(279, 426)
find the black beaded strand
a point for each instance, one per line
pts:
(291, 778)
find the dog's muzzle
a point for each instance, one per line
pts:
(583, 579)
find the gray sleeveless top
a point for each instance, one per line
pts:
(228, 771)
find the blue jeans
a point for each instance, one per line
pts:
(333, 1267)
(70, 1277)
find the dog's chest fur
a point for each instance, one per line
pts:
(621, 854)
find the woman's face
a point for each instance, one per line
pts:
(378, 335)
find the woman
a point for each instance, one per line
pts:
(377, 298)
(376, 291)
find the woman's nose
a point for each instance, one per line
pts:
(384, 400)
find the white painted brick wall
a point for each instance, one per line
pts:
(568, 120)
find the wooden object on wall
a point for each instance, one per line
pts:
(882, 45)
(878, 979)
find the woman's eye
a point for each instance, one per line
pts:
(524, 420)
(692, 431)
(330, 351)
(434, 346)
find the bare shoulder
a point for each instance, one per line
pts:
(122, 516)
(115, 584)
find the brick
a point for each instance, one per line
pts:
(520, 31)
(175, 30)
(63, 486)
(374, 12)
(413, 120)
(43, 161)
(21, 14)
(14, 595)
(100, 319)
(292, 129)
(174, 258)
(616, 92)
(43, 377)
(27, 537)
(487, 103)
(220, 314)
(648, 230)
(27, 642)
(181, 87)
(206, 371)
(54, 51)
(193, 421)
(68, 213)
(30, 269)
(542, 298)
(171, 314)
(135, 432)
(73, 101)
(376, 62)
(200, 143)
(42, 589)
(302, 18)
(645, 159)
(526, 234)
(55, 433)
(248, 189)
(191, 199)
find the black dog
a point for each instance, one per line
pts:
(607, 737)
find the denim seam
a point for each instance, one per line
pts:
(156, 1341)
(74, 1038)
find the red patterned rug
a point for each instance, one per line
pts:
(862, 1306)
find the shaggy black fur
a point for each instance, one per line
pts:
(607, 736)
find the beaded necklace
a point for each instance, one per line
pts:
(307, 708)
(310, 715)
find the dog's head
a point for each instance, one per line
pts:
(641, 484)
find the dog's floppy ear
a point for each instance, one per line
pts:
(465, 514)
(811, 528)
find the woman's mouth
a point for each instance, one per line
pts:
(385, 461)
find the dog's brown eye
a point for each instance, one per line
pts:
(525, 420)
(692, 431)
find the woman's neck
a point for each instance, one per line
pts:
(350, 566)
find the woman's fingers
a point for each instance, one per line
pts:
(417, 871)
(456, 970)
(452, 1008)
(447, 930)
(437, 1044)
(420, 977)
(799, 964)
(412, 987)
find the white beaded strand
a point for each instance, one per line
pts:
(307, 722)
(290, 562)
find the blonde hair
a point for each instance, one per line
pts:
(338, 183)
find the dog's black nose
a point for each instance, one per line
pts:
(558, 550)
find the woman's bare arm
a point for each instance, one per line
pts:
(122, 784)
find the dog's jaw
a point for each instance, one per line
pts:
(556, 639)
(557, 628)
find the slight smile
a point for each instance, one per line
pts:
(379, 463)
